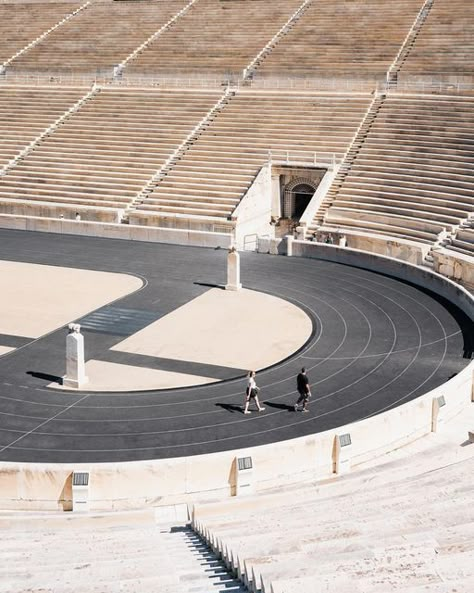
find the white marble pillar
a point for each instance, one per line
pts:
(233, 270)
(75, 365)
(289, 245)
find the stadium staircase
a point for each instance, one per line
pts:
(345, 166)
(106, 553)
(407, 45)
(249, 71)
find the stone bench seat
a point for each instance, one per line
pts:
(420, 156)
(204, 184)
(394, 192)
(413, 164)
(382, 172)
(25, 193)
(466, 235)
(82, 170)
(424, 147)
(457, 129)
(171, 189)
(383, 207)
(226, 157)
(425, 203)
(60, 185)
(102, 177)
(411, 225)
(42, 162)
(162, 197)
(146, 159)
(463, 247)
(211, 173)
(353, 183)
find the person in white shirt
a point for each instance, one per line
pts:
(252, 393)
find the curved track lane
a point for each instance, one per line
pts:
(376, 344)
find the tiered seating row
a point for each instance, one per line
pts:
(22, 23)
(215, 37)
(25, 113)
(99, 37)
(413, 176)
(339, 38)
(463, 242)
(404, 535)
(102, 156)
(214, 174)
(445, 45)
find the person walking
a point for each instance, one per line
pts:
(252, 394)
(304, 391)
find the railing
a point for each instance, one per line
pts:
(428, 85)
(306, 158)
(55, 78)
(362, 84)
(104, 77)
(177, 82)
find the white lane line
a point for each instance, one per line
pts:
(40, 425)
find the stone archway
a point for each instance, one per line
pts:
(297, 195)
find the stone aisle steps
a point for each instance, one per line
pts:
(55, 553)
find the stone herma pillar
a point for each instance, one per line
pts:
(233, 270)
(75, 366)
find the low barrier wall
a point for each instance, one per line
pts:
(130, 232)
(456, 266)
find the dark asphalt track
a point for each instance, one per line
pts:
(377, 343)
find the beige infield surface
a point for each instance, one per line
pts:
(37, 299)
(237, 330)
(242, 330)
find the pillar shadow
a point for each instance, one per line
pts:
(46, 377)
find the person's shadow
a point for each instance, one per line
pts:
(280, 406)
(230, 408)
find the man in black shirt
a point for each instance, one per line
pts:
(302, 384)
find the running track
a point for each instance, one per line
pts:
(377, 343)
